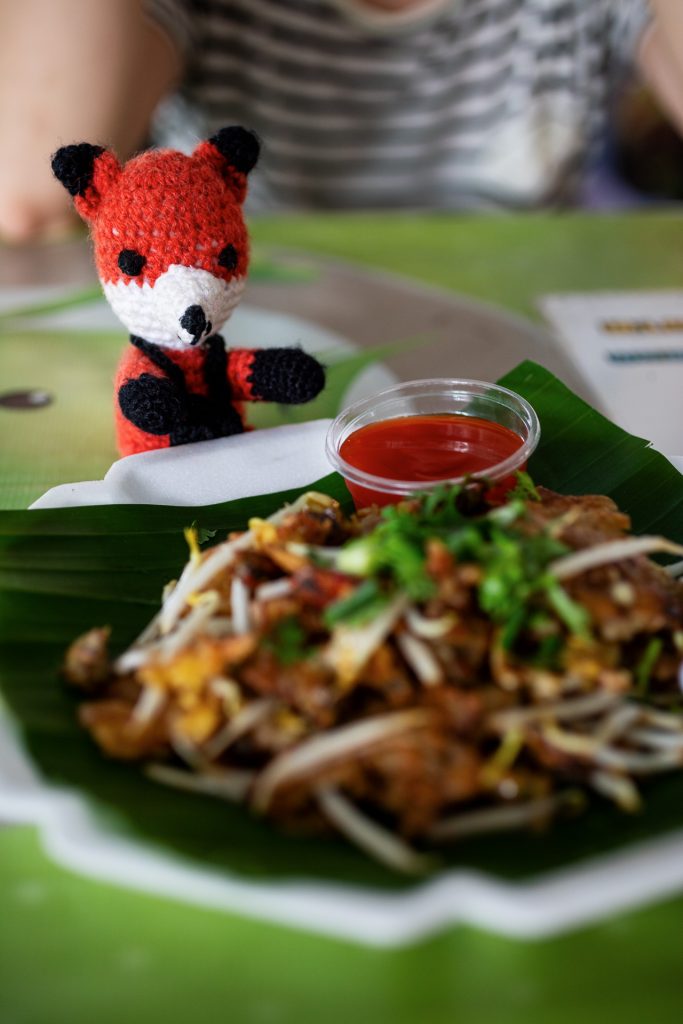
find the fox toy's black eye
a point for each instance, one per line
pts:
(131, 262)
(228, 257)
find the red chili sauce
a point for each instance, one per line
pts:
(424, 449)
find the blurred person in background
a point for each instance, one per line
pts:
(374, 104)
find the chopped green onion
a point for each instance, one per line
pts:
(288, 641)
(357, 557)
(574, 615)
(643, 670)
(513, 627)
(524, 489)
(515, 583)
(506, 514)
(547, 655)
(365, 601)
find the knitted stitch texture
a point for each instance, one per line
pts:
(160, 392)
(195, 384)
(170, 208)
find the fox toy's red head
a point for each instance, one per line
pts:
(170, 243)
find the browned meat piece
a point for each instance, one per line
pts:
(86, 663)
(268, 613)
(383, 684)
(306, 686)
(255, 568)
(119, 735)
(416, 776)
(313, 527)
(589, 516)
(317, 587)
(465, 710)
(629, 597)
(464, 651)
(411, 779)
(625, 598)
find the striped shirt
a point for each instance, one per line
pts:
(474, 104)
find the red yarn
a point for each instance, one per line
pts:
(143, 206)
(106, 171)
(130, 439)
(240, 361)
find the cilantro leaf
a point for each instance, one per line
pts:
(524, 489)
(288, 641)
(203, 534)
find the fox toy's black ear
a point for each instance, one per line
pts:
(74, 166)
(86, 172)
(238, 146)
(233, 152)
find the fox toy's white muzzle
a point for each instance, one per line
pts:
(182, 307)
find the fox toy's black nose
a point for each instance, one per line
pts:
(193, 321)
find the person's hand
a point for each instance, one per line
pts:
(29, 211)
(71, 70)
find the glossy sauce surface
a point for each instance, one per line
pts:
(425, 448)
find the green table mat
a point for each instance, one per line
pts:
(509, 260)
(73, 951)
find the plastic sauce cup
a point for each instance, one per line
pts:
(418, 435)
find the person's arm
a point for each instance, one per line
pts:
(660, 57)
(71, 71)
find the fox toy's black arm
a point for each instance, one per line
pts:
(285, 375)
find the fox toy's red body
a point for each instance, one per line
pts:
(191, 362)
(172, 253)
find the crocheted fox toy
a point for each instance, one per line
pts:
(172, 252)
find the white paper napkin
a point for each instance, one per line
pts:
(259, 462)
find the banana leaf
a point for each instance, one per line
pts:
(65, 570)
